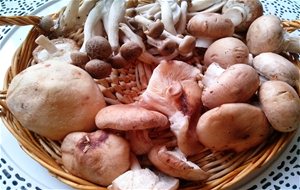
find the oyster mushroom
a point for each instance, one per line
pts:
(129, 117)
(99, 157)
(173, 90)
(275, 67)
(238, 83)
(266, 34)
(234, 126)
(55, 98)
(57, 49)
(226, 51)
(242, 12)
(281, 104)
(174, 163)
(137, 178)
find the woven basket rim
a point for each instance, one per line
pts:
(36, 146)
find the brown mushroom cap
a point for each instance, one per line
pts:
(281, 104)
(65, 47)
(55, 98)
(234, 126)
(254, 9)
(226, 51)
(275, 67)
(99, 157)
(79, 59)
(98, 69)
(129, 117)
(238, 83)
(175, 164)
(210, 25)
(130, 51)
(98, 47)
(265, 34)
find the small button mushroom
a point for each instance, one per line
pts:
(210, 25)
(98, 69)
(266, 34)
(98, 47)
(129, 117)
(242, 12)
(174, 163)
(226, 51)
(79, 59)
(275, 67)
(66, 99)
(235, 126)
(57, 49)
(153, 29)
(99, 157)
(281, 104)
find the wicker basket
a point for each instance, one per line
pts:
(228, 169)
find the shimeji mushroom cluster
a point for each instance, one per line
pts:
(220, 81)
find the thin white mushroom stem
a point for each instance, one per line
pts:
(200, 5)
(167, 16)
(176, 12)
(214, 8)
(183, 18)
(68, 18)
(84, 10)
(116, 14)
(153, 10)
(91, 22)
(144, 8)
(131, 36)
(46, 44)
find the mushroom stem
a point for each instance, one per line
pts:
(214, 8)
(200, 5)
(131, 36)
(186, 44)
(91, 21)
(84, 10)
(46, 44)
(182, 22)
(116, 14)
(68, 19)
(165, 47)
(167, 16)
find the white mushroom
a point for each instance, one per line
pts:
(200, 5)
(69, 17)
(183, 17)
(84, 9)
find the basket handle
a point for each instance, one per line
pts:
(20, 20)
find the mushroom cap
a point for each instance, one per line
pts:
(210, 25)
(175, 164)
(98, 47)
(281, 104)
(238, 83)
(55, 98)
(98, 69)
(275, 67)
(129, 117)
(254, 9)
(130, 51)
(99, 157)
(265, 34)
(65, 47)
(226, 51)
(155, 29)
(233, 126)
(187, 45)
(79, 58)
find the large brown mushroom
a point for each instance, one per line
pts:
(226, 51)
(233, 126)
(99, 157)
(55, 98)
(281, 104)
(238, 83)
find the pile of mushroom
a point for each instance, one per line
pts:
(205, 70)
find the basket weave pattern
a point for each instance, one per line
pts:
(124, 86)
